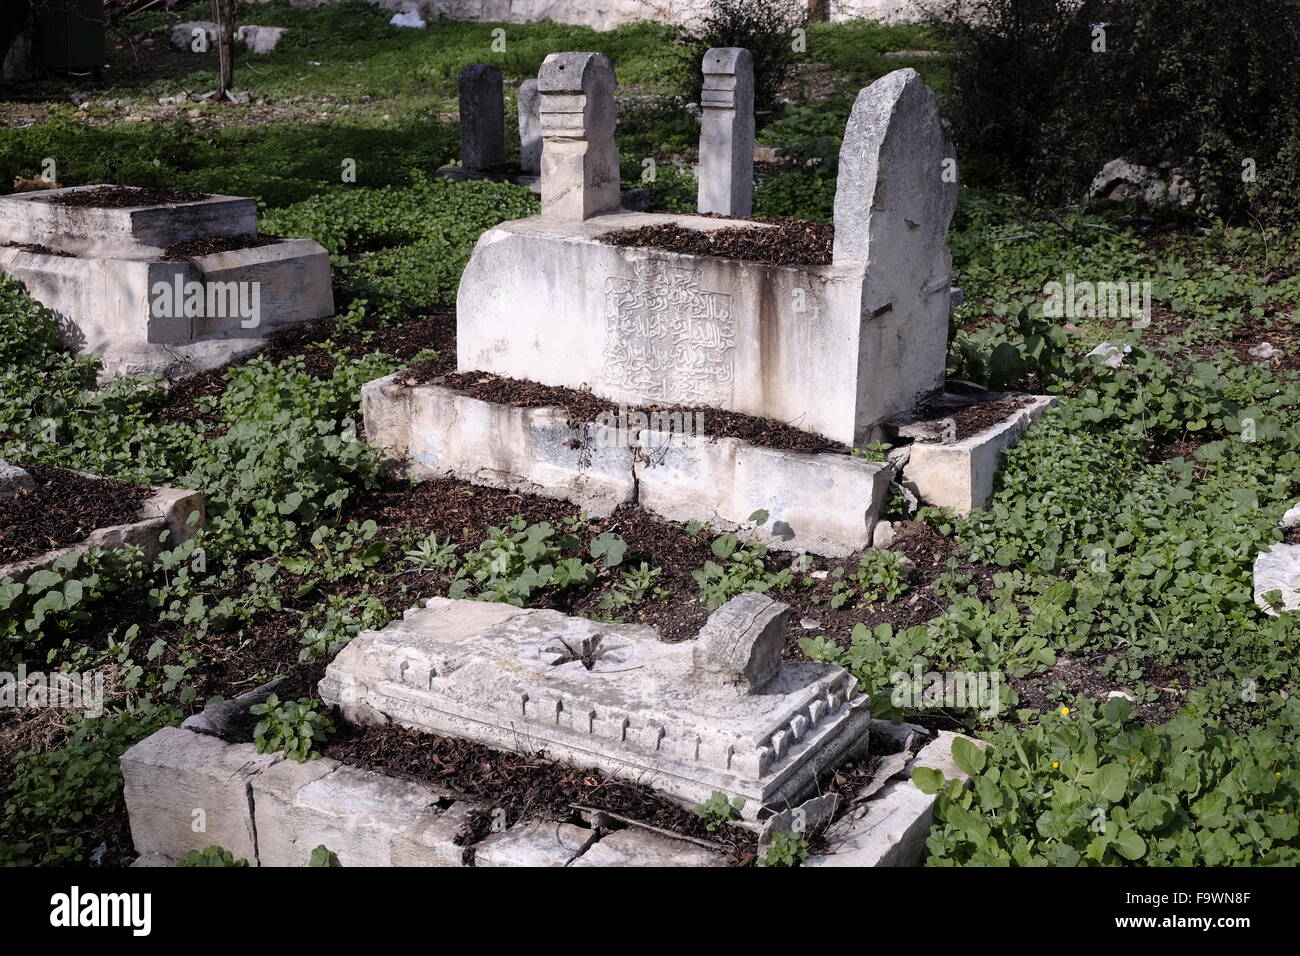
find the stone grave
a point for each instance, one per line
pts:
(169, 287)
(721, 712)
(836, 349)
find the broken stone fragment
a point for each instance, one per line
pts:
(1278, 569)
(741, 643)
(1111, 355)
(259, 39)
(13, 480)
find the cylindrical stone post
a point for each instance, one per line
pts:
(482, 117)
(530, 128)
(727, 133)
(580, 176)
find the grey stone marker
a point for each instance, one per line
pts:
(13, 480)
(580, 176)
(530, 128)
(727, 133)
(482, 117)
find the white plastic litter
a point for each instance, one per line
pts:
(411, 18)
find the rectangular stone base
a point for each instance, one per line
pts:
(959, 475)
(108, 306)
(820, 503)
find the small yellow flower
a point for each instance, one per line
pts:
(1281, 809)
(1056, 765)
(1065, 711)
(1277, 773)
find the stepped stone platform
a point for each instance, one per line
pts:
(106, 273)
(822, 503)
(721, 712)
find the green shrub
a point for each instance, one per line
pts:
(294, 728)
(57, 802)
(1031, 87)
(211, 856)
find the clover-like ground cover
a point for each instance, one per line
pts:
(1114, 558)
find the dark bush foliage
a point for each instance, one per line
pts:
(763, 27)
(1053, 90)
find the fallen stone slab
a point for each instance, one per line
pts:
(959, 474)
(1278, 569)
(719, 713)
(891, 828)
(635, 847)
(222, 718)
(166, 513)
(14, 480)
(536, 843)
(186, 791)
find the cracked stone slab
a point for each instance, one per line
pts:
(1278, 569)
(186, 791)
(540, 843)
(635, 847)
(357, 813)
(891, 828)
(610, 696)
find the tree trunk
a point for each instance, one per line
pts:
(224, 14)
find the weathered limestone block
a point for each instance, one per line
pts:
(184, 35)
(1278, 569)
(178, 512)
(894, 201)
(186, 791)
(580, 175)
(891, 828)
(482, 117)
(13, 480)
(541, 843)
(356, 813)
(530, 128)
(609, 696)
(140, 232)
(727, 133)
(741, 643)
(260, 40)
(820, 503)
(438, 431)
(635, 847)
(959, 475)
(432, 841)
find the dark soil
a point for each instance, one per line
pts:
(38, 249)
(524, 786)
(315, 342)
(125, 197)
(584, 407)
(972, 419)
(63, 509)
(790, 243)
(183, 251)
